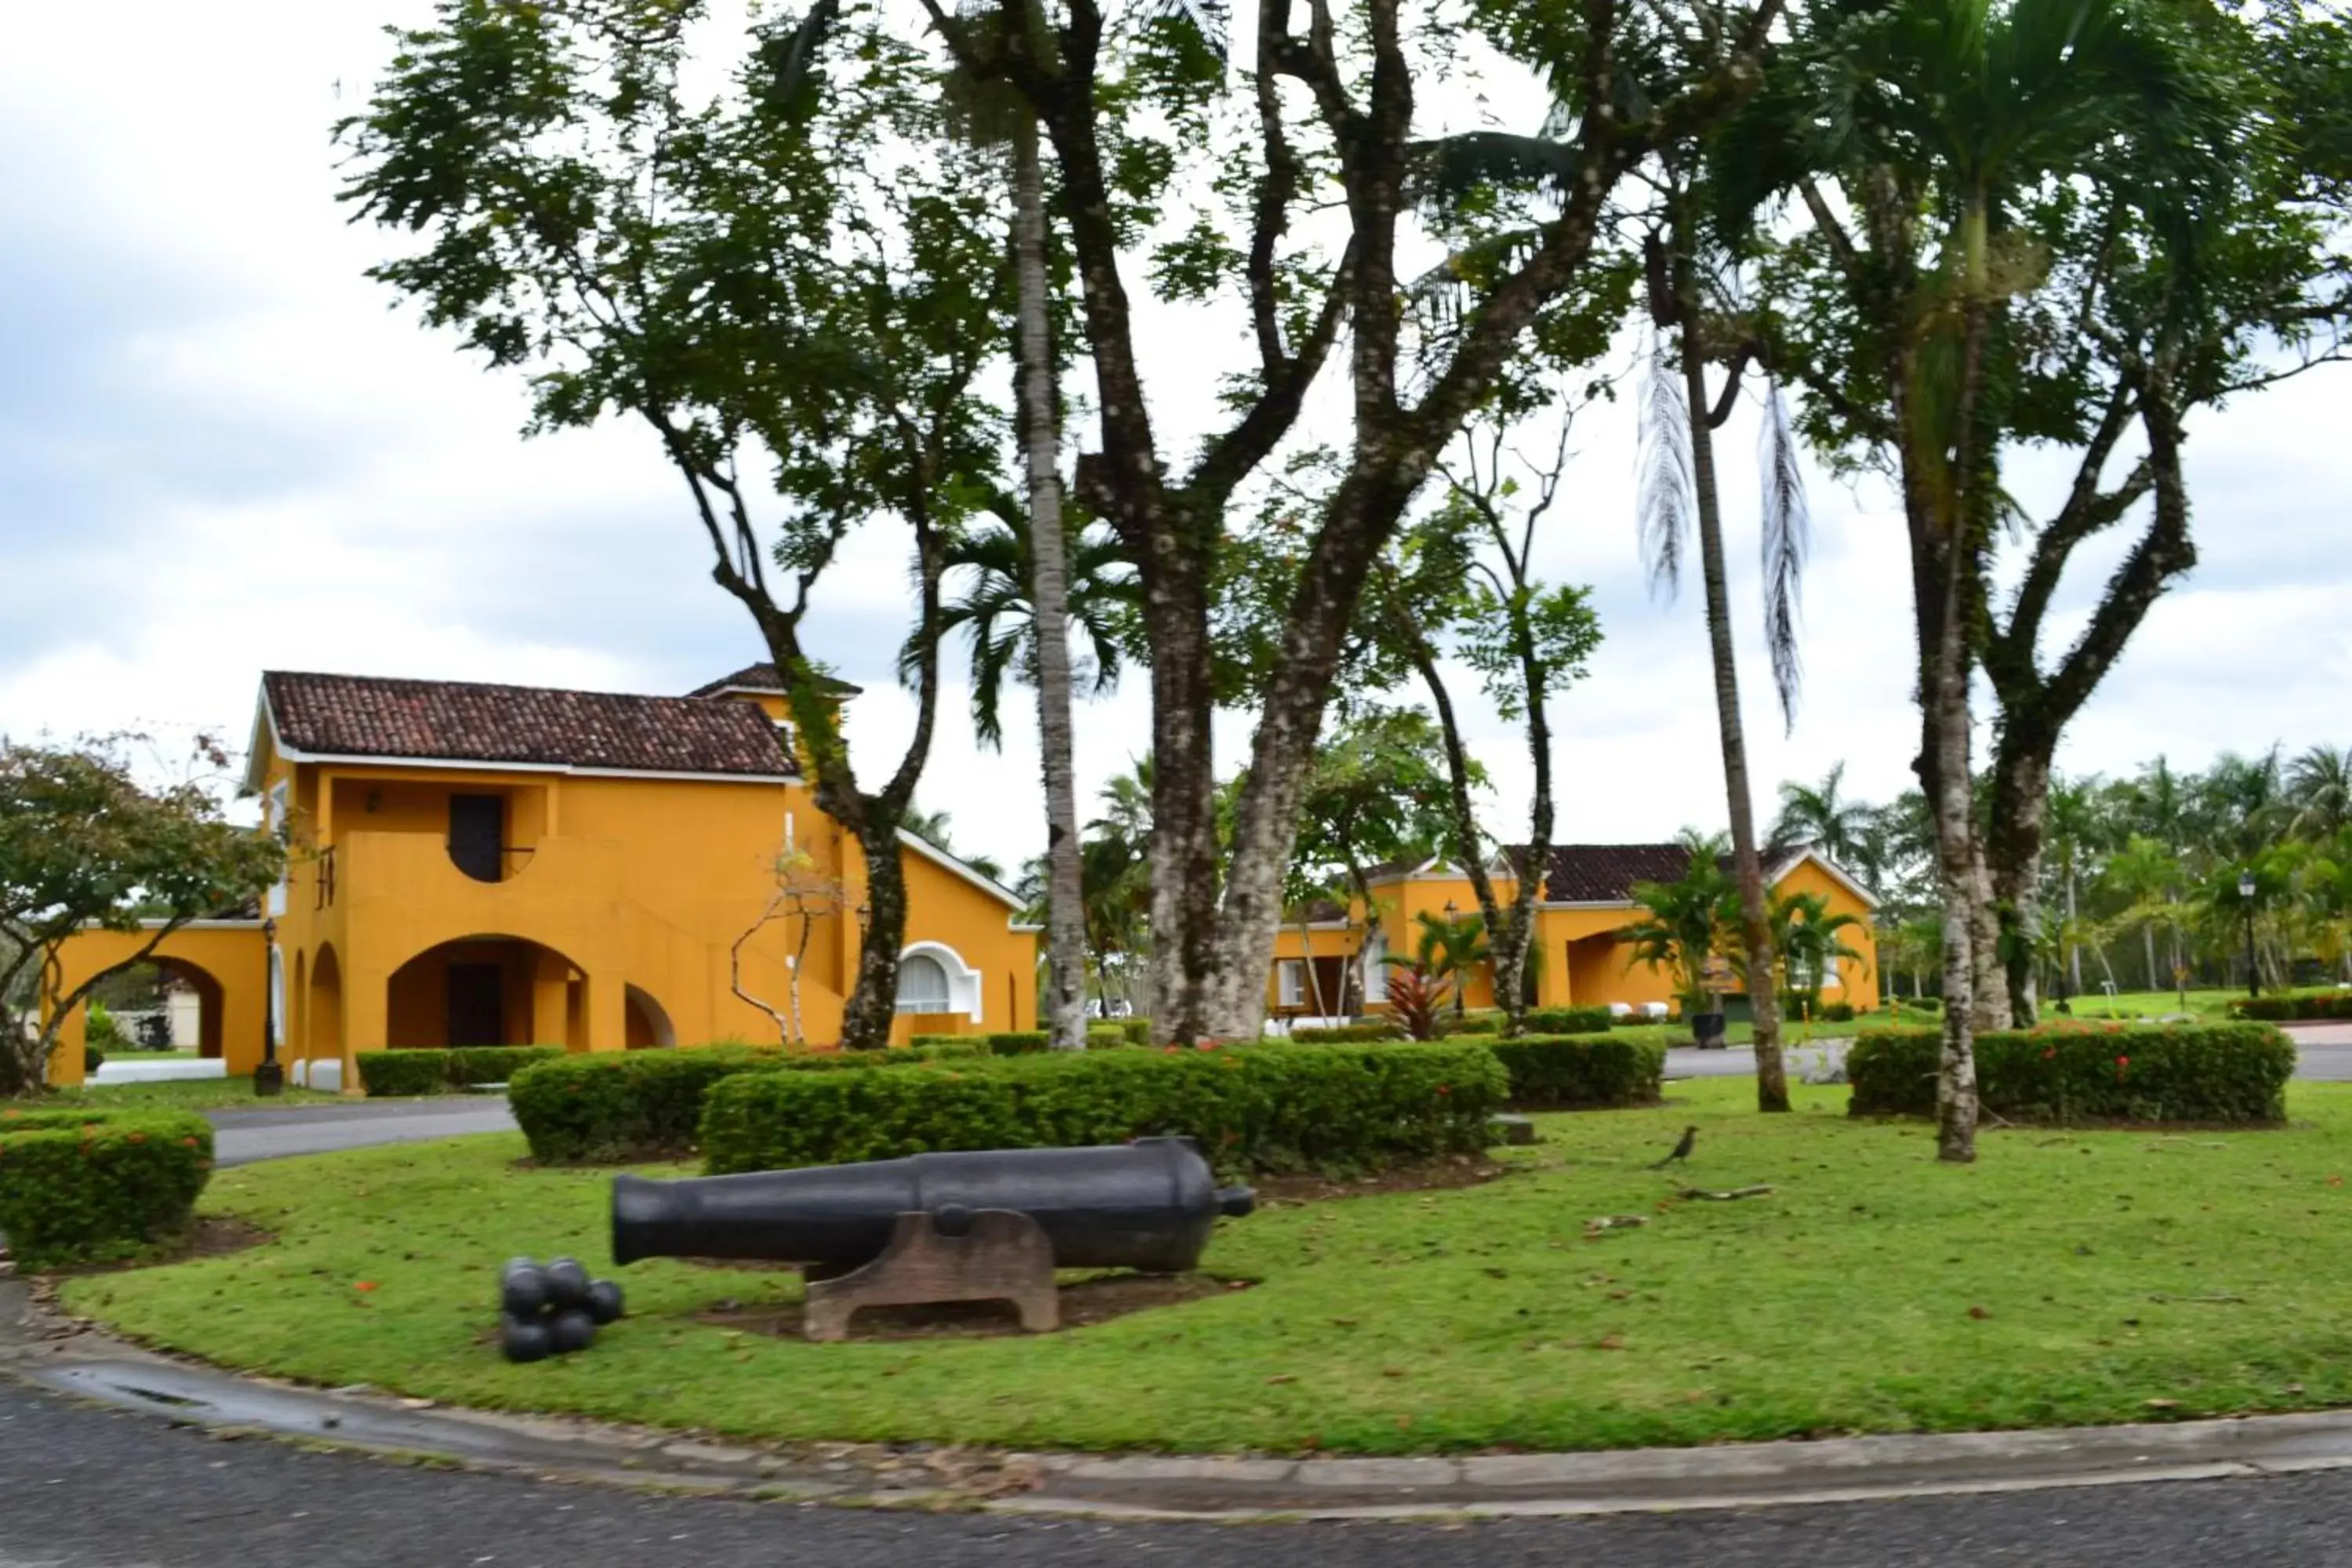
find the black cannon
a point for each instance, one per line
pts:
(1148, 1204)
(941, 1227)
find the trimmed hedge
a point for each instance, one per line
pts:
(1345, 1033)
(420, 1070)
(2295, 1006)
(622, 1105)
(1835, 1013)
(1019, 1043)
(1571, 1020)
(85, 1186)
(1257, 1108)
(1448, 1026)
(2201, 1073)
(1581, 1071)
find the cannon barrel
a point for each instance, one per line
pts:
(1149, 1205)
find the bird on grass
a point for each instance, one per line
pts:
(1681, 1150)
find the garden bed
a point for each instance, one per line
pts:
(2064, 1279)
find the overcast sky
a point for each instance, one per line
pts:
(223, 449)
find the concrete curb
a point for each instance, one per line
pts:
(69, 1359)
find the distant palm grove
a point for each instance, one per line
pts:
(2140, 887)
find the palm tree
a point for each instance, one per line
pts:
(2319, 784)
(1684, 923)
(1449, 946)
(991, 568)
(2147, 876)
(1822, 817)
(1679, 482)
(1806, 934)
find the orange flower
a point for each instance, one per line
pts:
(1445, 1088)
(364, 1285)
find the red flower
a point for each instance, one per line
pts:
(1445, 1088)
(1171, 1050)
(1206, 1045)
(364, 1285)
(2123, 1061)
(2048, 1052)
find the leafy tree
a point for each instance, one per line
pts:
(83, 844)
(1463, 580)
(1129, 114)
(936, 829)
(1916, 137)
(1822, 817)
(2320, 783)
(793, 283)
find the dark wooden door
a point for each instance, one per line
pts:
(477, 1005)
(478, 834)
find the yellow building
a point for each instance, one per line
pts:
(504, 864)
(1331, 961)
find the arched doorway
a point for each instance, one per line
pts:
(648, 1025)
(193, 1004)
(322, 1038)
(487, 990)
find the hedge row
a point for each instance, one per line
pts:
(83, 1186)
(2202, 1073)
(1257, 1108)
(1344, 1034)
(623, 1105)
(431, 1071)
(1571, 1020)
(2294, 1006)
(1581, 1071)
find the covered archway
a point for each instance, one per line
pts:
(487, 990)
(184, 978)
(649, 1027)
(322, 1010)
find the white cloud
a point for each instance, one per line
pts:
(221, 449)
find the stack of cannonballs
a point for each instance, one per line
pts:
(555, 1309)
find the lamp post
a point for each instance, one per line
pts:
(269, 1077)
(2246, 897)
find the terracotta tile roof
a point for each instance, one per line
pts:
(761, 677)
(462, 721)
(1605, 873)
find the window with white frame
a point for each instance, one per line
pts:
(1290, 982)
(276, 821)
(1376, 966)
(923, 985)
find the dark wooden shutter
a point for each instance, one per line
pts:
(478, 834)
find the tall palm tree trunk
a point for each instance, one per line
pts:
(1747, 868)
(1065, 921)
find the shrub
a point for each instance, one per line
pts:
(619, 1105)
(1137, 1031)
(1106, 1037)
(401, 1072)
(1257, 1108)
(427, 1071)
(1570, 1020)
(2208, 1072)
(1345, 1033)
(1582, 1070)
(79, 1186)
(100, 1030)
(1836, 1013)
(1474, 1023)
(92, 1059)
(2298, 1005)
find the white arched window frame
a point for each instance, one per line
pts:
(933, 978)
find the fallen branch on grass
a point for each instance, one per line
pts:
(1724, 1197)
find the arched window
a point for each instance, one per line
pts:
(923, 985)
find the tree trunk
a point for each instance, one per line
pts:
(2148, 940)
(1461, 819)
(873, 1004)
(1065, 925)
(2014, 838)
(1184, 870)
(1755, 916)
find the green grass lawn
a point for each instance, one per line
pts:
(2066, 1277)
(172, 1094)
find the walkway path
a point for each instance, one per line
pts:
(241, 1137)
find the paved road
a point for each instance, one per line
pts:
(86, 1488)
(2322, 1055)
(241, 1137)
